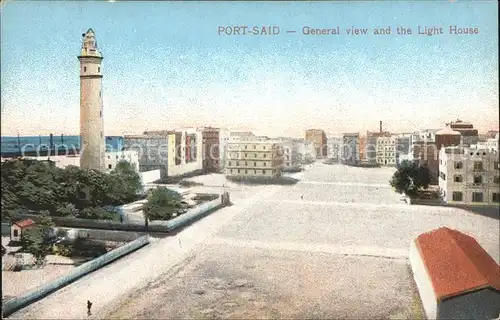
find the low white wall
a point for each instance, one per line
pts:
(17, 303)
(150, 176)
(424, 284)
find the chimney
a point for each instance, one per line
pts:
(380, 126)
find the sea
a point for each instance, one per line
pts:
(12, 146)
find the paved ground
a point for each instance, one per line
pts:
(341, 252)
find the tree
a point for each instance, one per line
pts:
(129, 180)
(37, 239)
(409, 178)
(162, 204)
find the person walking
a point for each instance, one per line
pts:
(89, 308)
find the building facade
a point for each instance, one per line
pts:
(318, 138)
(93, 147)
(291, 159)
(334, 148)
(386, 151)
(254, 160)
(350, 149)
(152, 150)
(184, 152)
(211, 150)
(425, 153)
(306, 151)
(469, 176)
(403, 148)
(470, 135)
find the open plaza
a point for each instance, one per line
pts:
(334, 245)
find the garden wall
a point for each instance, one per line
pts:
(17, 303)
(154, 226)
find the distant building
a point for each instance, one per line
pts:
(306, 151)
(386, 151)
(490, 144)
(334, 150)
(469, 175)
(152, 150)
(318, 138)
(470, 135)
(130, 156)
(254, 160)
(291, 159)
(350, 149)
(184, 152)
(370, 154)
(403, 148)
(211, 150)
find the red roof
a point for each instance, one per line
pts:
(24, 223)
(456, 263)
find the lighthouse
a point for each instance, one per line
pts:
(92, 145)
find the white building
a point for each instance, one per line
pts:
(490, 144)
(334, 149)
(386, 151)
(291, 157)
(306, 151)
(111, 159)
(185, 151)
(92, 154)
(469, 176)
(256, 160)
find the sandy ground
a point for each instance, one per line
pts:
(340, 252)
(17, 283)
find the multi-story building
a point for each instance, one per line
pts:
(490, 144)
(470, 135)
(184, 149)
(386, 151)
(318, 138)
(223, 140)
(425, 153)
(370, 154)
(211, 150)
(306, 151)
(403, 147)
(254, 160)
(152, 149)
(291, 160)
(350, 149)
(424, 135)
(469, 175)
(334, 148)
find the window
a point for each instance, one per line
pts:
(264, 164)
(237, 163)
(496, 179)
(263, 147)
(245, 155)
(238, 170)
(246, 171)
(246, 163)
(255, 164)
(263, 171)
(478, 166)
(100, 113)
(231, 170)
(16, 233)
(255, 155)
(255, 147)
(109, 166)
(458, 179)
(442, 175)
(230, 163)
(255, 171)
(245, 147)
(477, 197)
(458, 165)
(98, 69)
(496, 165)
(457, 196)
(495, 197)
(478, 179)
(264, 155)
(84, 69)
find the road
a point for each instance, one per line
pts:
(340, 252)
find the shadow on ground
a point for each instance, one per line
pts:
(278, 181)
(486, 211)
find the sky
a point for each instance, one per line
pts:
(166, 66)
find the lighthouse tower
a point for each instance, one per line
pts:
(92, 146)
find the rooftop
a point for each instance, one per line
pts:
(456, 263)
(24, 223)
